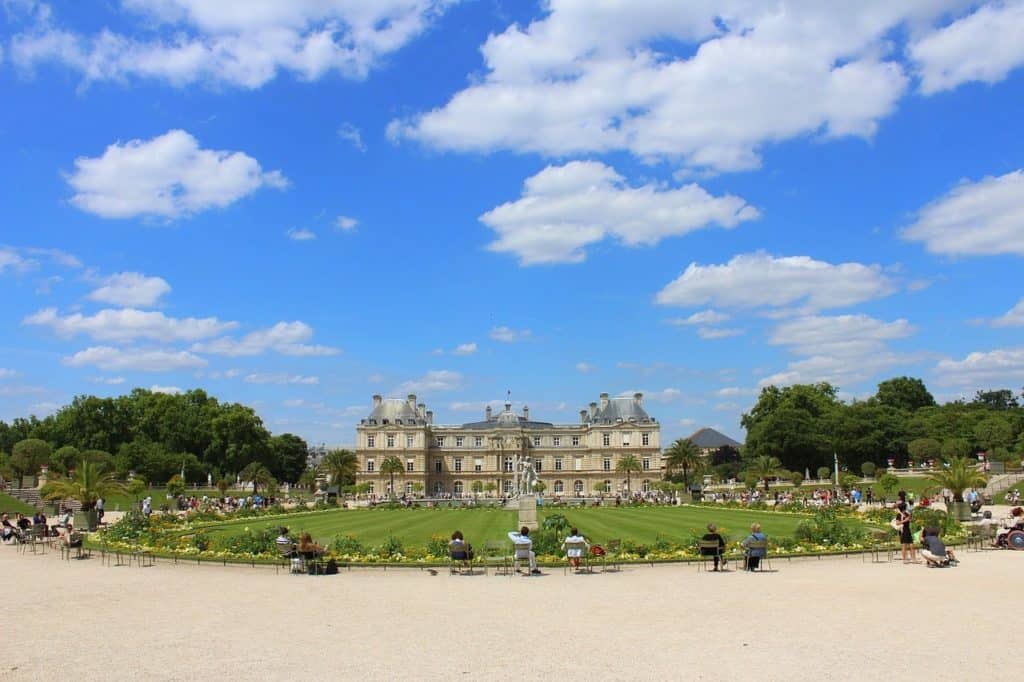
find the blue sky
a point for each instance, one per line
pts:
(297, 205)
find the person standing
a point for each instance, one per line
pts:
(906, 536)
(100, 504)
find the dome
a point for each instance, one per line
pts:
(394, 411)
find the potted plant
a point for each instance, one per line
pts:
(959, 474)
(88, 484)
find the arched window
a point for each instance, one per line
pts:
(372, 489)
(559, 487)
(438, 488)
(646, 487)
(457, 488)
(606, 487)
(408, 488)
(577, 487)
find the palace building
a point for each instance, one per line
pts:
(461, 460)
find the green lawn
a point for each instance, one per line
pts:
(1001, 497)
(415, 526)
(12, 505)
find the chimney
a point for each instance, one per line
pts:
(526, 412)
(604, 400)
(421, 410)
(377, 400)
(487, 413)
(638, 398)
(430, 416)
(583, 416)
(593, 409)
(412, 401)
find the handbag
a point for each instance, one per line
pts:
(896, 525)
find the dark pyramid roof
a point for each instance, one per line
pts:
(709, 438)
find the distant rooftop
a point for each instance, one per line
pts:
(708, 438)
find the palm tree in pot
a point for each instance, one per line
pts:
(87, 484)
(959, 474)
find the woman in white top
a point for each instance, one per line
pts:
(575, 553)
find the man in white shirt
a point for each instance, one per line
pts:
(577, 545)
(522, 545)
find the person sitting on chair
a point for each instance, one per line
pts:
(754, 554)
(523, 546)
(308, 548)
(713, 536)
(459, 549)
(575, 553)
(10, 531)
(284, 544)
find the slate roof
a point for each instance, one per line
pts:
(621, 410)
(708, 438)
(393, 409)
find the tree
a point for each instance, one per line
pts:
(308, 479)
(765, 468)
(868, 469)
(628, 464)
(63, 459)
(490, 487)
(28, 456)
(222, 486)
(922, 449)
(996, 400)
(289, 456)
(796, 478)
(958, 475)
(904, 393)
(685, 456)
(176, 485)
(136, 487)
(477, 487)
(389, 467)
(89, 484)
(888, 483)
(993, 432)
(341, 466)
(259, 475)
(954, 448)
(823, 473)
(792, 424)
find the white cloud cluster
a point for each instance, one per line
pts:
(168, 176)
(983, 46)
(280, 378)
(1014, 317)
(286, 338)
(242, 43)
(996, 368)
(707, 83)
(585, 367)
(465, 349)
(169, 390)
(508, 334)
(128, 324)
(134, 359)
(565, 208)
(6, 373)
(11, 260)
(975, 218)
(840, 349)
(345, 223)
(300, 234)
(432, 381)
(130, 289)
(759, 280)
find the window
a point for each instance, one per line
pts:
(577, 487)
(437, 466)
(457, 487)
(646, 463)
(557, 441)
(536, 441)
(458, 441)
(625, 438)
(390, 440)
(478, 442)
(506, 486)
(369, 465)
(558, 463)
(439, 441)
(606, 486)
(538, 465)
(606, 439)
(372, 488)
(408, 488)
(559, 487)
(478, 464)
(646, 487)
(575, 441)
(410, 465)
(508, 464)
(607, 464)
(371, 441)
(438, 488)
(577, 463)
(645, 439)
(410, 441)
(458, 464)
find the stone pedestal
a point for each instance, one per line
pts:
(528, 512)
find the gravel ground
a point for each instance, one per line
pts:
(809, 619)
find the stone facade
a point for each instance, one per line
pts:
(479, 457)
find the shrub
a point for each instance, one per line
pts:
(437, 545)
(825, 528)
(824, 472)
(868, 469)
(347, 544)
(392, 547)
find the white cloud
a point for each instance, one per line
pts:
(982, 370)
(726, 407)
(434, 380)
(11, 260)
(46, 407)
(286, 338)
(687, 421)
(6, 373)
(168, 176)
(280, 378)
(301, 234)
(1014, 317)
(735, 391)
(243, 43)
(509, 335)
(983, 46)
(565, 208)
(709, 316)
(707, 83)
(975, 218)
(585, 367)
(21, 390)
(344, 222)
(109, 381)
(130, 289)
(169, 390)
(134, 359)
(762, 280)
(128, 324)
(711, 333)
(350, 133)
(464, 349)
